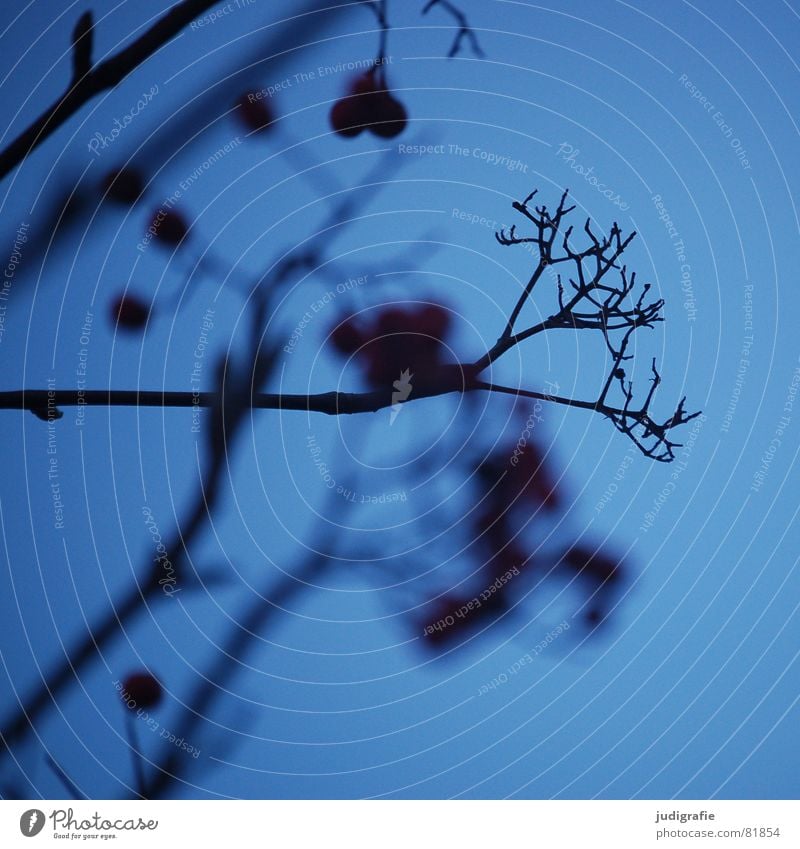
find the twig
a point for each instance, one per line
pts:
(88, 83)
(378, 7)
(595, 304)
(82, 43)
(136, 756)
(464, 29)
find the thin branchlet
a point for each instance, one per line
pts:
(602, 298)
(465, 31)
(90, 79)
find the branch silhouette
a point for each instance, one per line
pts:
(88, 81)
(595, 305)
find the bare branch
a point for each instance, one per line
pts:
(596, 304)
(609, 315)
(378, 7)
(464, 31)
(350, 403)
(547, 228)
(103, 76)
(82, 43)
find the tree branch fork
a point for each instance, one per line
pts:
(593, 303)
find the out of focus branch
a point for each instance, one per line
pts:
(243, 635)
(82, 44)
(87, 83)
(228, 407)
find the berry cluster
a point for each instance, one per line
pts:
(397, 339)
(369, 105)
(509, 493)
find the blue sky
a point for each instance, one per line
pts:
(692, 689)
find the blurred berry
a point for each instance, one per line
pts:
(255, 115)
(143, 689)
(594, 616)
(594, 566)
(387, 116)
(169, 227)
(368, 105)
(452, 616)
(530, 478)
(346, 117)
(129, 312)
(400, 338)
(364, 84)
(124, 186)
(346, 337)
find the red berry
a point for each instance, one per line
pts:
(346, 117)
(129, 312)
(142, 689)
(368, 106)
(443, 623)
(346, 337)
(255, 114)
(383, 114)
(169, 227)
(451, 616)
(365, 83)
(388, 116)
(403, 340)
(393, 320)
(125, 185)
(433, 320)
(509, 557)
(400, 339)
